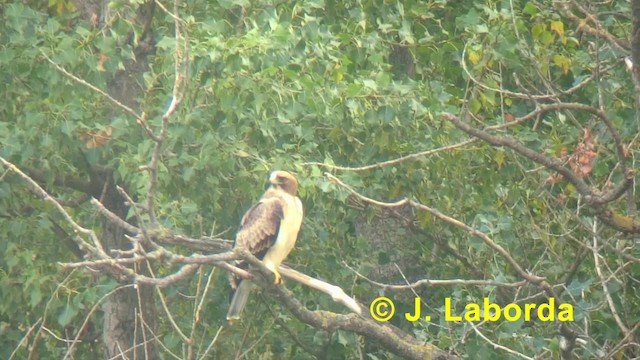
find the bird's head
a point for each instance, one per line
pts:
(285, 181)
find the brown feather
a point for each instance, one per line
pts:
(259, 226)
(259, 233)
(258, 229)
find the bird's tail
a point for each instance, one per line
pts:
(239, 300)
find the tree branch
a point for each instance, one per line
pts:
(429, 283)
(534, 279)
(516, 146)
(596, 200)
(95, 249)
(399, 160)
(387, 336)
(582, 24)
(95, 89)
(181, 60)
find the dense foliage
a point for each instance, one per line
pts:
(327, 86)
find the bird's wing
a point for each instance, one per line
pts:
(258, 232)
(259, 226)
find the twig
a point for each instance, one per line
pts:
(122, 106)
(94, 308)
(159, 254)
(95, 249)
(23, 341)
(380, 165)
(136, 213)
(583, 26)
(55, 336)
(199, 306)
(626, 340)
(180, 58)
(429, 283)
(603, 283)
(113, 218)
(144, 326)
(525, 275)
(180, 275)
(157, 340)
(498, 346)
(539, 281)
(517, 95)
(542, 109)
(516, 146)
(213, 341)
(165, 307)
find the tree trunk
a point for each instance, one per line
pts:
(129, 314)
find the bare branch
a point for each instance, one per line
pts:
(429, 283)
(134, 207)
(516, 95)
(627, 340)
(96, 306)
(160, 254)
(392, 338)
(181, 60)
(184, 273)
(539, 281)
(492, 244)
(206, 244)
(386, 335)
(597, 31)
(399, 160)
(213, 341)
(23, 341)
(603, 283)
(95, 249)
(139, 118)
(113, 218)
(187, 340)
(516, 146)
(542, 109)
(198, 310)
(595, 199)
(497, 346)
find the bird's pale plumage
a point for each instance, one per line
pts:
(269, 231)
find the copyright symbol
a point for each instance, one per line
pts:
(382, 309)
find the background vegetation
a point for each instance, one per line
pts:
(511, 128)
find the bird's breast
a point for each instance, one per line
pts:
(288, 231)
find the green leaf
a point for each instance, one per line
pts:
(66, 316)
(530, 9)
(35, 296)
(368, 83)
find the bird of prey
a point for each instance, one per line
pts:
(268, 230)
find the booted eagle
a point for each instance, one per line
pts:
(269, 231)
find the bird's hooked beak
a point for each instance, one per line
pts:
(285, 181)
(274, 181)
(273, 178)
